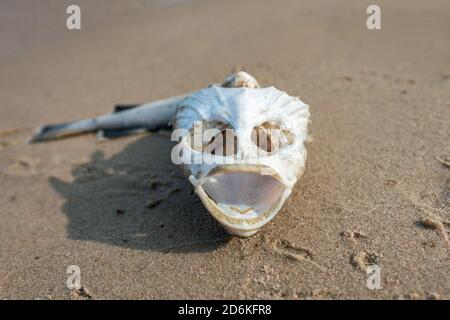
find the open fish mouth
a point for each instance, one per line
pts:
(243, 197)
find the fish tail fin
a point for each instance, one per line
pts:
(124, 107)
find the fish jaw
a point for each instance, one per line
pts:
(243, 198)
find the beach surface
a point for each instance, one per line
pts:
(376, 189)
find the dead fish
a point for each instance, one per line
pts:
(250, 153)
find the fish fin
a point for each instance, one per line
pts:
(117, 133)
(62, 130)
(50, 132)
(124, 107)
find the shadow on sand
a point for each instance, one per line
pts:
(138, 199)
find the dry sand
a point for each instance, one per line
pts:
(374, 190)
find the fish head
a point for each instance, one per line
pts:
(243, 149)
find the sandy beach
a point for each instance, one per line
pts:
(376, 189)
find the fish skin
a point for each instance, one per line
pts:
(150, 116)
(131, 119)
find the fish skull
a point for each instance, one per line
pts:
(243, 148)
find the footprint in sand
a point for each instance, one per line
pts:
(291, 251)
(363, 259)
(436, 224)
(6, 134)
(387, 76)
(353, 236)
(4, 145)
(24, 166)
(10, 132)
(418, 296)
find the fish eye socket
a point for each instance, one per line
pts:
(270, 137)
(213, 137)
